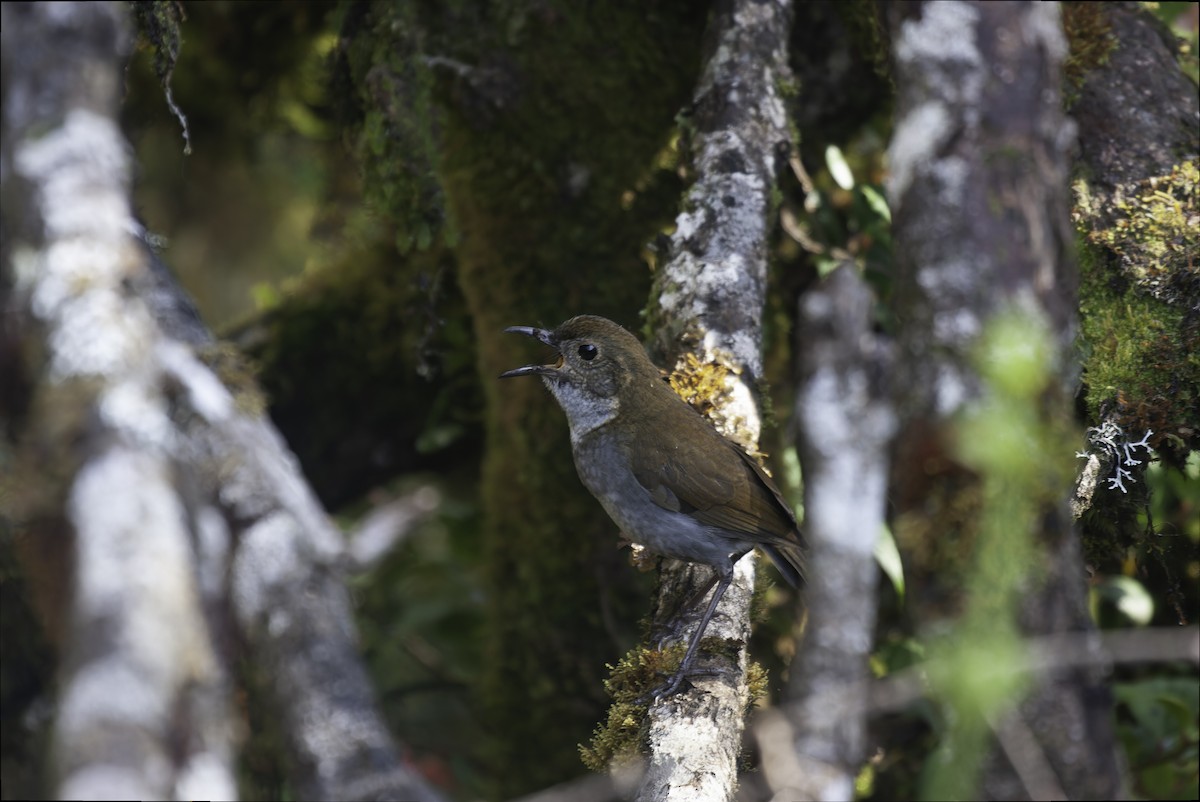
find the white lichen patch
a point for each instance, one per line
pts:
(954, 324)
(739, 415)
(687, 224)
(75, 283)
(950, 390)
(1111, 440)
(918, 136)
(1044, 24)
(269, 556)
(938, 50)
(950, 178)
(207, 395)
(742, 348)
(773, 107)
(133, 571)
(135, 408)
(706, 280)
(81, 170)
(955, 327)
(93, 336)
(110, 690)
(943, 32)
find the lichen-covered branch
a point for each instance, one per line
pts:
(180, 502)
(139, 662)
(709, 296)
(846, 422)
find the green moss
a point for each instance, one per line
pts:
(756, 683)
(1090, 41)
(1155, 229)
(383, 88)
(1138, 257)
(1137, 360)
(862, 19)
(788, 88)
(158, 25)
(623, 735)
(701, 384)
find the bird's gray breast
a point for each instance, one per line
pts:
(602, 461)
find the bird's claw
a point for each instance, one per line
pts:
(679, 681)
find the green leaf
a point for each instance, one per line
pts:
(1129, 597)
(888, 557)
(838, 168)
(876, 201)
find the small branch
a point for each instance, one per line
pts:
(1027, 757)
(846, 422)
(388, 525)
(712, 290)
(589, 788)
(1046, 655)
(787, 771)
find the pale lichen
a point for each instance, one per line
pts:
(1110, 440)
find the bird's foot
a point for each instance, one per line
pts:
(672, 631)
(679, 681)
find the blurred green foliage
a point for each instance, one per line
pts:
(420, 615)
(1158, 721)
(242, 208)
(977, 668)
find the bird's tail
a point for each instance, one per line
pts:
(788, 559)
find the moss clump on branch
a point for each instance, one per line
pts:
(623, 736)
(1155, 230)
(1090, 41)
(701, 384)
(1139, 257)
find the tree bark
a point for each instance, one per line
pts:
(180, 504)
(138, 659)
(1139, 129)
(978, 191)
(709, 299)
(844, 408)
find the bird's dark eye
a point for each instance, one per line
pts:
(588, 352)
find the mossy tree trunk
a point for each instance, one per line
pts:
(984, 271)
(549, 121)
(1137, 216)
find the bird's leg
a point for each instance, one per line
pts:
(674, 627)
(689, 656)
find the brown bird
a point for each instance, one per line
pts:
(661, 471)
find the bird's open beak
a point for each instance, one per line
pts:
(532, 370)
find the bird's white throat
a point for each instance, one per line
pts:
(585, 411)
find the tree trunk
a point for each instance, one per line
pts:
(183, 512)
(978, 191)
(709, 301)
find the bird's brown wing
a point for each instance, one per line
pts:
(718, 484)
(696, 471)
